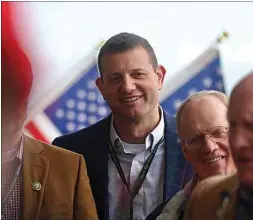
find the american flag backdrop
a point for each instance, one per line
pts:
(81, 104)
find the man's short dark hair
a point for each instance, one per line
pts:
(122, 42)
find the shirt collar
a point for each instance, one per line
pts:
(9, 155)
(16, 152)
(21, 148)
(153, 138)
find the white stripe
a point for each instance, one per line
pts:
(46, 127)
(188, 72)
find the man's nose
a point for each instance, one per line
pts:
(128, 84)
(208, 145)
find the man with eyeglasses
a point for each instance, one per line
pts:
(231, 197)
(203, 129)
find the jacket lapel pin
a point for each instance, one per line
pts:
(36, 186)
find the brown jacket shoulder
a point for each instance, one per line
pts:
(65, 191)
(208, 199)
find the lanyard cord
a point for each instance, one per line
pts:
(15, 177)
(17, 161)
(141, 177)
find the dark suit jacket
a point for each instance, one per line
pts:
(92, 143)
(65, 189)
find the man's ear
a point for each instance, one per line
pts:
(183, 147)
(100, 85)
(160, 71)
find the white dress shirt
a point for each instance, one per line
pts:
(132, 158)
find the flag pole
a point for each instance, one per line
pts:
(220, 39)
(223, 36)
(186, 72)
(99, 45)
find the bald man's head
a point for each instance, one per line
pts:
(240, 117)
(245, 85)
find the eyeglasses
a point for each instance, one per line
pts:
(217, 134)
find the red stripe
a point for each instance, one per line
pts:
(31, 127)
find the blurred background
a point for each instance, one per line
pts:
(66, 36)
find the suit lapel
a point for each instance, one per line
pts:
(174, 160)
(101, 155)
(103, 160)
(35, 168)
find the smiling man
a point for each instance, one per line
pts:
(231, 197)
(133, 156)
(203, 129)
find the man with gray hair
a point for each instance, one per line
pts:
(231, 197)
(203, 130)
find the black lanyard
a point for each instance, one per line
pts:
(140, 179)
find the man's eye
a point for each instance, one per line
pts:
(232, 124)
(114, 79)
(249, 125)
(195, 140)
(139, 74)
(218, 133)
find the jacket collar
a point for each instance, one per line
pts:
(35, 169)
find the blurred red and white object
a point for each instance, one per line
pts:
(16, 67)
(19, 55)
(20, 22)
